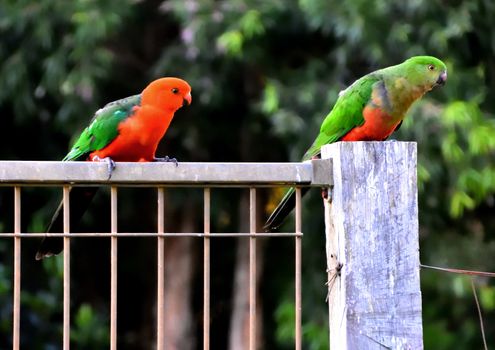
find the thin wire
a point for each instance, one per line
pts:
(470, 273)
(459, 271)
(479, 313)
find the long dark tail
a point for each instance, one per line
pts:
(80, 197)
(283, 209)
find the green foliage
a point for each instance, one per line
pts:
(265, 74)
(468, 147)
(315, 335)
(249, 25)
(54, 52)
(232, 42)
(487, 297)
(90, 331)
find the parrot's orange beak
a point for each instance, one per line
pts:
(188, 98)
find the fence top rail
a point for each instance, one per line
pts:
(47, 173)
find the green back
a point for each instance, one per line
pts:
(397, 87)
(346, 114)
(103, 128)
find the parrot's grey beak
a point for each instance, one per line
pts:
(442, 78)
(188, 99)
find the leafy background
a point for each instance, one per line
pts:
(264, 74)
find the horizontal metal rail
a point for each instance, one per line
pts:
(311, 173)
(153, 234)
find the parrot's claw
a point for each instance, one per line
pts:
(167, 159)
(110, 164)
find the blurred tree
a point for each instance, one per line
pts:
(264, 74)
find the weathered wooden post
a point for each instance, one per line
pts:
(371, 219)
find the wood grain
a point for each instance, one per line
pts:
(372, 231)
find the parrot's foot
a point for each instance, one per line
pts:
(166, 159)
(110, 164)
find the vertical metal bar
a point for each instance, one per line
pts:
(66, 322)
(252, 269)
(113, 269)
(17, 269)
(160, 302)
(298, 252)
(206, 277)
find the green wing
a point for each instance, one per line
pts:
(345, 115)
(103, 127)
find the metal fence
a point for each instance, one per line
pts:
(160, 175)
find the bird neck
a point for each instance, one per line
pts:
(402, 94)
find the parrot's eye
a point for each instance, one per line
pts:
(431, 67)
(175, 90)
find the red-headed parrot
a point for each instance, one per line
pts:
(371, 109)
(126, 130)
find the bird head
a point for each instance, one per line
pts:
(167, 93)
(426, 71)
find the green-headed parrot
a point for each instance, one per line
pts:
(371, 109)
(126, 130)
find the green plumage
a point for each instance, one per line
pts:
(103, 127)
(397, 86)
(101, 131)
(370, 109)
(346, 114)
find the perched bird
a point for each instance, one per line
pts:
(126, 130)
(371, 109)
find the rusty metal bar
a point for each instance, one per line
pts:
(160, 302)
(252, 269)
(17, 270)
(113, 269)
(298, 262)
(66, 322)
(206, 277)
(311, 173)
(154, 234)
